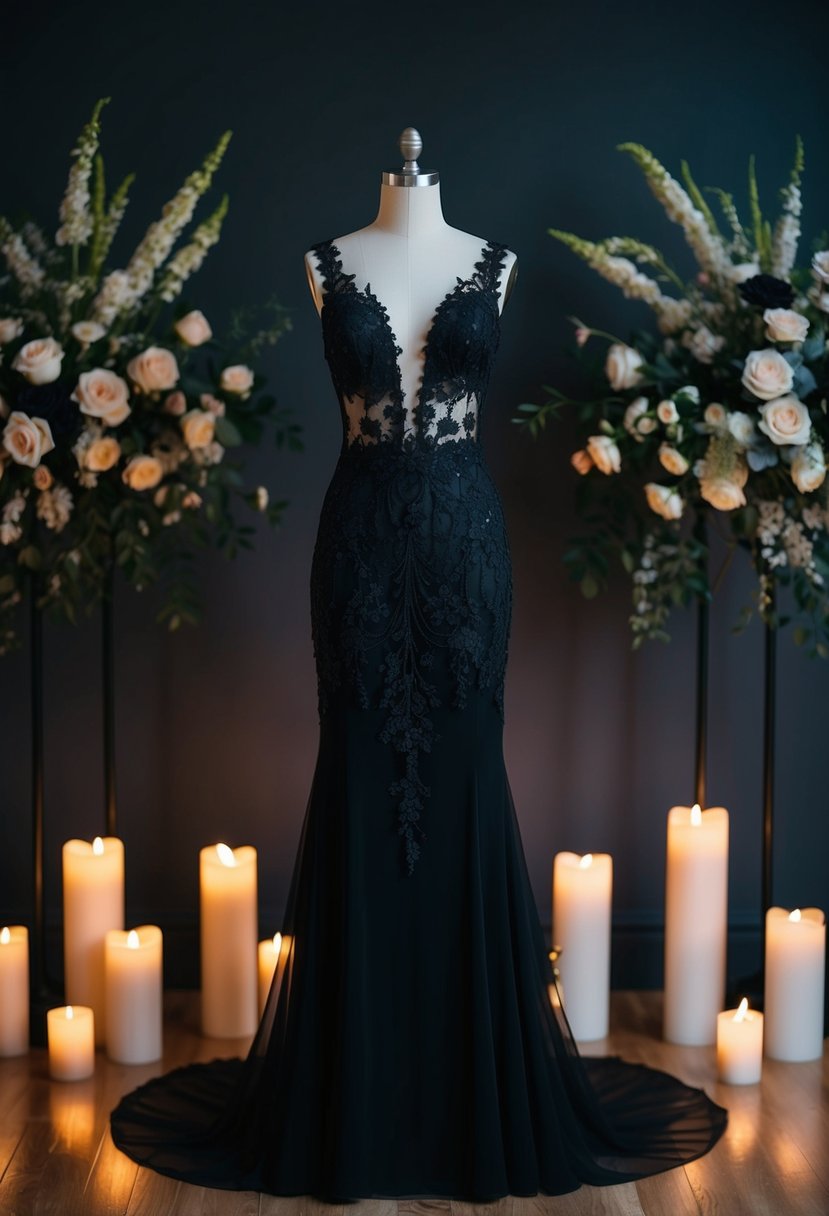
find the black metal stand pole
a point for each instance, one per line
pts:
(43, 993)
(769, 722)
(108, 691)
(700, 758)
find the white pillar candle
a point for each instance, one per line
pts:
(227, 895)
(133, 968)
(70, 1033)
(93, 902)
(582, 889)
(696, 920)
(740, 1045)
(14, 990)
(795, 975)
(270, 952)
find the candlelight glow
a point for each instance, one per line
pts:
(742, 1011)
(97, 846)
(795, 915)
(696, 815)
(277, 941)
(226, 855)
(5, 935)
(586, 861)
(132, 940)
(70, 1012)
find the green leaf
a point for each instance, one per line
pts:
(227, 433)
(589, 586)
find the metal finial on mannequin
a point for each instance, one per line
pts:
(411, 145)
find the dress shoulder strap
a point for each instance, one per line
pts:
(491, 265)
(330, 263)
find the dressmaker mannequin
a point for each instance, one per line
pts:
(410, 256)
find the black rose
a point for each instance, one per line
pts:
(52, 403)
(766, 291)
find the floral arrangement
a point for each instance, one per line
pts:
(718, 416)
(118, 404)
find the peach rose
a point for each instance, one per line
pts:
(237, 379)
(27, 439)
(42, 477)
(809, 468)
(154, 369)
(582, 461)
(198, 427)
(767, 374)
(213, 404)
(175, 403)
(102, 394)
(604, 453)
(102, 454)
(664, 500)
(10, 328)
(672, 460)
(39, 360)
(142, 472)
(194, 328)
(785, 420)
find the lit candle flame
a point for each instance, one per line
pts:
(696, 815)
(70, 1012)
(277, 942)
(97, 846)
(795, 915)
(5, 935)
(586, 861)
(226, 855)
(133, 940)
(742, 1011)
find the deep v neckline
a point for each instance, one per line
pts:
(485, 289)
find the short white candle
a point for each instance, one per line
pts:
(740, 1045)
(70, 1033)
(133, 967)
(228, 924)
(269, 955)
(14, 990)
(582, 889)
(93, 902)
(795, 976)
(696, 920)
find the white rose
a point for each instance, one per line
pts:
(27, 439)
(142, 472)
(88, 331)
(10, 328)
(102, 454)
(102, 394)
(785, 325)
(261, 497)
(39, 360)
(691, 391)
(194, 328)
(716, 415)
(767, 374)
(154, 369)
(808, 468)
(785, 420)
(237, 379)
(672, 460)
(667, 412)
(604, 453)
(198, 427)
(743, 271)
(820, 265)
(664, 500)
(741, 427)
(634, 416)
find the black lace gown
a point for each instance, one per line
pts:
(410, 1046)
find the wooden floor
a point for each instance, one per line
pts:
(57, 1156)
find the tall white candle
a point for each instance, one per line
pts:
(228, 906)
(582, 890)
(93, 902)
(696, 919)
(70, 1034)
(14, 990)
(271, 951)
(795, 977)
(133, 966)
(740, 1045)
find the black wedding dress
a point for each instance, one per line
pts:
(410, 1046)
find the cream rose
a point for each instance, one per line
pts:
(42, 477)
(261, 497)
(10, 328)
(604, 453)
(237, 379)
(582, 461)
(194, 328)
(153, 370)
(742, 428)
(785, 420)
(27, 439)
(672, 460)
(102, 394)
(102, 454)
(198, 427)
(622, 366)
(716, 415)
(809, 468)
(142, 472)
(820, 265)
(664, 500)
(87, 332)
(742, 271)
(690, 391)
(39, 360)
(767, 374)
(785, 325)
(633, 414)
(667, 412)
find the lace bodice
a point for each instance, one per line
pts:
(362, 353)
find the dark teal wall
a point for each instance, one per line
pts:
(520, 107)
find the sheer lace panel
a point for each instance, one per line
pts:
(362, 352)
